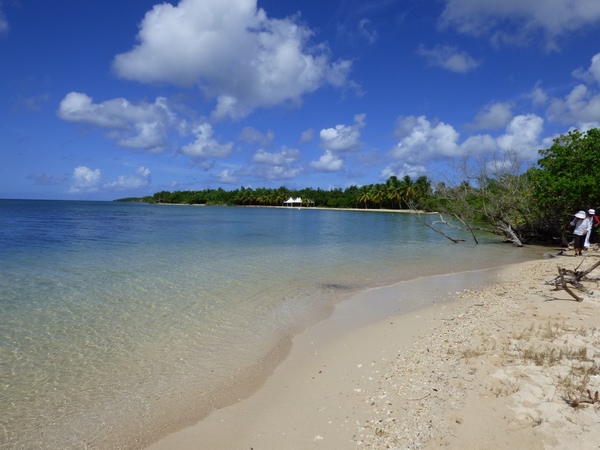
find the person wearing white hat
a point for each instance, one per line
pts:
(594, 221)
(582, 226)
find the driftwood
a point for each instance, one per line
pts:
(574, 278)
(561, 283)
(589, 399)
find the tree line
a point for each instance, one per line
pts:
(500, 195)
(393, 194)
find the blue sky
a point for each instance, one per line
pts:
(108, 99)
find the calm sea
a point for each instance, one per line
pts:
(118, 319)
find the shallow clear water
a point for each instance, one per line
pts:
(117, 317)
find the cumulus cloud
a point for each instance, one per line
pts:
(286, 157)
(328, 162)
(515, 21)
(276, 165)
(522, 135)
(233, 51)
(592, 74)
(141, 127)
(252, 136)
(337, 141)
(449, 58)
(493, 117)
(142, 179)
(400, 170)
(422, 141)
(205, 146)
(581, 106)
(343, 138)
(85, 180)
(227, 177)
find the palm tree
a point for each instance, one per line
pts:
(377, 194)
(394, 190)
(364, 196)
(409, 190)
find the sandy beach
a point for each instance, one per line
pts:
(494, 360)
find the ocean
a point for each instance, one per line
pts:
(119, 320)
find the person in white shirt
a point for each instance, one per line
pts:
(583, 226)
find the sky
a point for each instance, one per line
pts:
(104, 99)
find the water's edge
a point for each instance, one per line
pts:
(354, 311)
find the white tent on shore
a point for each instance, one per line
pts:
(293, 202)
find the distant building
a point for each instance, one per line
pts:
(293, 202)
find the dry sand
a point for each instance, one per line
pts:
(493, 368)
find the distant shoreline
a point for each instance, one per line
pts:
(317, 208)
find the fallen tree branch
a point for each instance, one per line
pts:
(563, 285)
(455, 240)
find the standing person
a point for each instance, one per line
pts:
(593, 218)
(582, 227)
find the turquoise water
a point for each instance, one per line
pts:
(117, 319)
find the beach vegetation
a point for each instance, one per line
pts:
(566, 178)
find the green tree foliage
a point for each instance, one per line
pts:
(567, 178)
(369, 196)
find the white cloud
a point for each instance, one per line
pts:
(141, 127)
(401, 170)
(343, 138)
(85, 180)
(522, 136)
(449, 58)
(515, 21)
(233, 52)
(493, 117)
(479, 144)
(205, 146)
(581, 106)
(227, 177)
(277, 165)
(141, 180)
(422, 141)
(336, 141)
(328, 162)
(286, 157)
(592, 74)
(253, 136)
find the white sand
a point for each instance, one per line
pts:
(454, 375)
